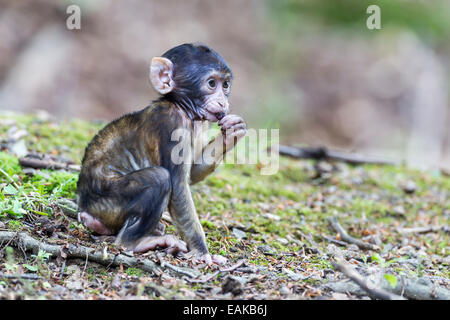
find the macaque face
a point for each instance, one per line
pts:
(196, 78)
(216, 88)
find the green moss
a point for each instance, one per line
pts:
(207, 224)
(15, 225)
(134, 272)
(239, 195)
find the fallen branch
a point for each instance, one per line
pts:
(47, 164)
(409, 288)
(179, 270)
(27, 276)
(372, 291)
(81, 252)
(417, 290)
(233, 267)
(322, 153)
(349, 239)
(214, 274)
(420, 229)
(341, 243)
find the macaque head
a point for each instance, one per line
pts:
(194, 77)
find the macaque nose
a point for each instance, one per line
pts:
(220, 115)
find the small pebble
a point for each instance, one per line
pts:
(239, 234)
(232, 284)
(271, 216)
(352, 247)
(285, 290)
(409, 187)
(339, 296)
(399, 210)
(323, 167)
(266, 249)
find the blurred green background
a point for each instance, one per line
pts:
(311, 68)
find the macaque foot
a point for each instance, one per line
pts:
(172, 244)
(93, 223)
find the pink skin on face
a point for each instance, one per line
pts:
(216, 103)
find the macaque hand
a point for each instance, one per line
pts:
(207, 258)
(233, 128)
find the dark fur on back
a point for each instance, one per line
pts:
(142, 134)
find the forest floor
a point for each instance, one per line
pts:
(297, 234)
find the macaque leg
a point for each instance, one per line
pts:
(134, 206)
(94, 224)
(97, 226)
(142, 230)
(159, 231)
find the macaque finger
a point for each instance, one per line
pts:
(236, 134)
(240, 125)
(229, 120)
(234, 137)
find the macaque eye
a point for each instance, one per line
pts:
(226, 84)
(212, 83)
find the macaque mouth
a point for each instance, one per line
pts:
(220, 115)
(217, 115)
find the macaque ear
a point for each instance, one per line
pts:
(161, 75)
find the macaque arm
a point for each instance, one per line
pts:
(183, 213)
(210, 157)
(233, 128)
(181, 205)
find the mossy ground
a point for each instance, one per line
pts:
(285, 212)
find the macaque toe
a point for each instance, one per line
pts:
(170, 242)
(208, 259)
(218, 259)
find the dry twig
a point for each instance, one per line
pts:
(322, 153)
(47, 164)
(420, 229)
(27, 276)
(214, 274)
(372, 291)
(349, 239)
(92, 254)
